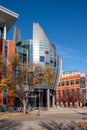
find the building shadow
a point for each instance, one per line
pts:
(84, 118)
(53, 125)
(9, 124)
(63, 125)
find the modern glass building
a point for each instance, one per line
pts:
(44, 53)
(27, 45)
(23, 54)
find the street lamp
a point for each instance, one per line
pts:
(38, 114)
(41, 78)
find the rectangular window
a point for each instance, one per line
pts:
(41, 58)
(6, 51)
(72, 82)
(77, 81)
(62, 84)
(83, 90)
(67, 83)
(54, 63)
(82, 82)
(51, 61)
(46, 52)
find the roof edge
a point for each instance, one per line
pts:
(9, 11)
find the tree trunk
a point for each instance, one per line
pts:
(24, 106)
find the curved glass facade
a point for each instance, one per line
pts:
(44, 52)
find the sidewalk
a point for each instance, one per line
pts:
(51, 111)
(60, 111)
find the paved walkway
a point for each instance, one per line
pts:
(50, 111)
(60, 110)
(32, 121)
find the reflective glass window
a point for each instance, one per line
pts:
(54, 63)
(41, 58)
(46, 52)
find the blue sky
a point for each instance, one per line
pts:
(64, 22)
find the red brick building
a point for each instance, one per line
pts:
(72, 89)
(8, 50)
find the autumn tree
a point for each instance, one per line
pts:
(79, 95)
(49, 76)
(17, 77)
(59, 97)
(3, 76)
(22, 80)
(40, 76)
(65, 96)
(71, 95)
(3, 72)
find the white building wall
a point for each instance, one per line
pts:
(35, 43)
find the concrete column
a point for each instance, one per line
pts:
(53, 101)
(48, 98)
(5, 31)
(0, 34)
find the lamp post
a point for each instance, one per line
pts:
(40, 80)
(38, 114)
